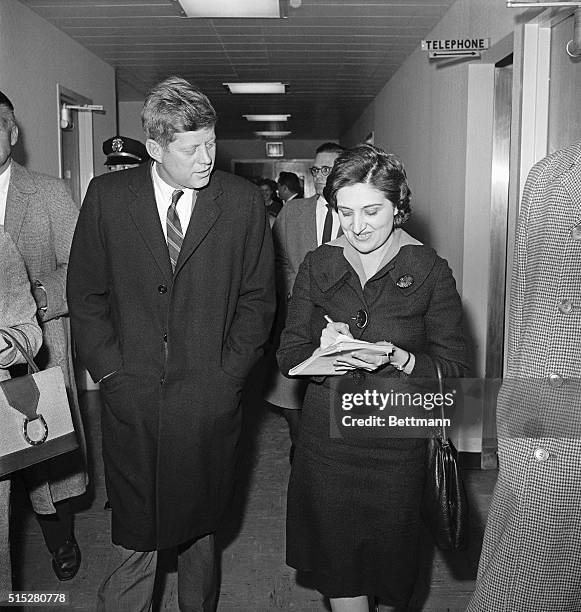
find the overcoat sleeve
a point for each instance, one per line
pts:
(519, 280)
(88, 292)
(17, 306)
(443, 321)
(295, 341)
(256, 302)
(63, 214)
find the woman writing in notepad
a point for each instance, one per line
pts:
(353, 503)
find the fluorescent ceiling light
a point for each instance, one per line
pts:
(274, 133)
(256, 88)
(231, 8)
(266, 117)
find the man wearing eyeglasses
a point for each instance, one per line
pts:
(302, 225)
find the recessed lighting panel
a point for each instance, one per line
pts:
(266, 117)
(274, 133)
(256, 88)
(231, 8)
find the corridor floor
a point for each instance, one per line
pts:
(254, 577)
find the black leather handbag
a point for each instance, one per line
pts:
(444, 503)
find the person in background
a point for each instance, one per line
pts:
(353, 515)
(531, 554)
(301, 226)
(17, 313)
(171, 290)
(271, 200)
(289, 186)
(123, 153)
(40, 216)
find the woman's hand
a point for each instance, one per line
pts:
(330, 333)
(365, 360)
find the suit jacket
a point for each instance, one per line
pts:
(294, 234)
(41, 218)
(530, 556)
(181, 345)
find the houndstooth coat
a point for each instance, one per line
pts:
(531, 557)
(41, 218)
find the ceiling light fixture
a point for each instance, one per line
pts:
(231, 8)
(266, 117)
(274, 133)
(256, 88)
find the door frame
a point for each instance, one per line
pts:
(84, 121)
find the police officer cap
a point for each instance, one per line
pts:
(121, 150)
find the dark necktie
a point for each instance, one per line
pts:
(328, 227)
(175, 236)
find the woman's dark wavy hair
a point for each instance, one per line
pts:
(372, 165)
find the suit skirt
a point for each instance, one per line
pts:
(353, 509)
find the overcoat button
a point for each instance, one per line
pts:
(576, 232)
(165, 337)
(565, 306)
(541, 454)
(358, 376)
(162, 289)
(555, 380)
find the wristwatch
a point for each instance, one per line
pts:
(39, 285)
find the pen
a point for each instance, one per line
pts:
(328, 319)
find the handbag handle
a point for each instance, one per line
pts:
(438, 366)
(8, 334)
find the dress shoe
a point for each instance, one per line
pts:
(66, 560)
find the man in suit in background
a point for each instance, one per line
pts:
(289, 186)
(40, 216)
(301, 226)
(171, 290)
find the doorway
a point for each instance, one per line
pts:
(497, 287)
(75, 142)
(76, 169)
(253, 169)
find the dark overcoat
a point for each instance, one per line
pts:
(181, 346)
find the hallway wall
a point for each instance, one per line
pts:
(35, 56)
(421, 113)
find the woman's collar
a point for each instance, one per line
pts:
(399, 238)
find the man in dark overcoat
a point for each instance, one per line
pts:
(171, 292)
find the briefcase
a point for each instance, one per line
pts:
(35, 416)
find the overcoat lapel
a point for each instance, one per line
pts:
(21, 186)
(336, 273)
(206, 212)
(143, 211)
(570, 181)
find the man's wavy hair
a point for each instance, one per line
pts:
(369, 164)
(175, 105)
(8, 119)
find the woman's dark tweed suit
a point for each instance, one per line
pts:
(353, 505)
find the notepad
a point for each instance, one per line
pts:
(320, 363)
